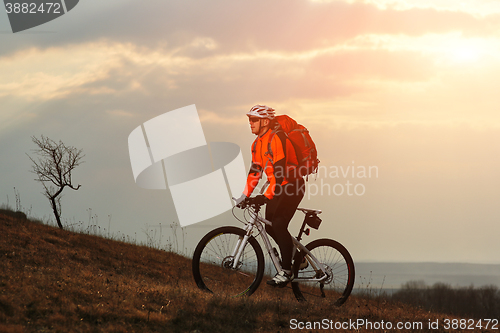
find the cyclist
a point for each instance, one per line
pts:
(284, 192)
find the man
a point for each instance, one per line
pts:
(273, 154)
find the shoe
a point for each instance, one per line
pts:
(303, 264)
(280, 280)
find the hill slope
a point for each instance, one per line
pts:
(53, 280)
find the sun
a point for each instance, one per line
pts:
(458, 49)
(465, 54)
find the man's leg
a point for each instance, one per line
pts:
(280, 211)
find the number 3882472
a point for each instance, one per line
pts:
(33, 8)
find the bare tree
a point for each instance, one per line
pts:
(53, 168)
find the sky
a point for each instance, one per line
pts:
(403, 92)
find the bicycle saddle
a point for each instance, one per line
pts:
(310, 211)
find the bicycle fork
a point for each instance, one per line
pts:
(238, 250)
(240, 245)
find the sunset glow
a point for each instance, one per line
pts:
(476, 7)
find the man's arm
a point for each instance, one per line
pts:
(253, 179)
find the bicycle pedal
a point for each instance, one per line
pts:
(280, 280)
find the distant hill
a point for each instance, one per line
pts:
(53, 280)
(393, 275)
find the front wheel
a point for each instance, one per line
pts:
(214, 267)
(338, 282)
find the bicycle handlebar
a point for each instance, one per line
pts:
(244, 203)
(247, 202)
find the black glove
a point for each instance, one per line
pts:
(259, 200)
(242, 201)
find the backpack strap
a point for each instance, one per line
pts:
(254, 145)
(302, 131)
(306, 142)
(280, 131)
(283, 137)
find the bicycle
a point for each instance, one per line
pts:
(229, 260)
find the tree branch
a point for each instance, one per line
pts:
(54, 165)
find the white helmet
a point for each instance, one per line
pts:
(261, 111)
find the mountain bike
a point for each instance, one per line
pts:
(229, 261)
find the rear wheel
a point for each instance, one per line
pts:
(337, 285)
(213, 263)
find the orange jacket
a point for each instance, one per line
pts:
(276, 162)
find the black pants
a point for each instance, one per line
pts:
(280, 211)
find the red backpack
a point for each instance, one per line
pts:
(304, 146)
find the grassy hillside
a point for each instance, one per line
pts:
(53, 280)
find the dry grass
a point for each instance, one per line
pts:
(53, 280)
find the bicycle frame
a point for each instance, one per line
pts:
(257, 221)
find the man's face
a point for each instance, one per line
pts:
(254, 124)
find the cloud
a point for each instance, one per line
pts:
(45, 74)
(200, 29)
(475, 7)
(369, 72)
